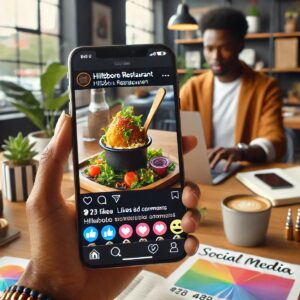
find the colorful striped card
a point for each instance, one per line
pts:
(11, 268)
(215, 273)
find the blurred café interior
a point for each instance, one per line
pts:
(50, 29)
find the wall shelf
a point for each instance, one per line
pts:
(264, 70)
(250, 36)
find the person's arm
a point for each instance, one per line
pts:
(55, 267)
(270, 143)
(253, 153)
(271, 129)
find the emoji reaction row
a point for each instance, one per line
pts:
(108, 232)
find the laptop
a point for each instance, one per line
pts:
(196, 162)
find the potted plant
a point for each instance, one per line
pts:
(19, 168)
(41, 112)
(253, 18)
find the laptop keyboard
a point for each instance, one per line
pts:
(219, 169)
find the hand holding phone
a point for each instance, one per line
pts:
(58, 270)
(128, 179)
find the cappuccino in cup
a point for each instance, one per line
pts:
(246, 219)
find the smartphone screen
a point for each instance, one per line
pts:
(273, 180)
(128, 181)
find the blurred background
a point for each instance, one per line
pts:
(34, 33)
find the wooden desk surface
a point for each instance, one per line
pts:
(210, 232)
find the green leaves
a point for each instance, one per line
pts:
(56, 104)
(18, 149)
(40, 112)
(54, 73)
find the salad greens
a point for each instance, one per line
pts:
(108, 177)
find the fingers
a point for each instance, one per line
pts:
(51, 166)
(190, 221)
(228, 162)
(190, 195)
(191, 245)
(216, 156)
(188, 143)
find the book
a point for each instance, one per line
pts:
(279, 196)
(215, 273)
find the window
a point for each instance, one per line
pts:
(29, 39)
(139, 21)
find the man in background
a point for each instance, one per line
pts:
(240, 108)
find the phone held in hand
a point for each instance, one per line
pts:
(274, 181)
(127, 153)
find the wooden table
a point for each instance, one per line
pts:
(210, 232)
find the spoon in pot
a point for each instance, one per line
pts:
(157, 101)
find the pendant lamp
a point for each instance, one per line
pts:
(182, 20)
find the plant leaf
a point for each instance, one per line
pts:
(54, 73)
(18, 92)
(35, 114)
(57, 103)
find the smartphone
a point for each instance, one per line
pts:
(128, 181)
(274, 181)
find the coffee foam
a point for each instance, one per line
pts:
(247, 204)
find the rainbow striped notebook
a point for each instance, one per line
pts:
(215, 273)
(11, 268)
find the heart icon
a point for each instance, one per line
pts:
(142, 229)
(153, 248)
(87, 200)
(125, 231)
(159, 228)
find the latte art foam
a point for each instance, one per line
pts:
(248, 204)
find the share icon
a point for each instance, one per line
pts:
(116, 197)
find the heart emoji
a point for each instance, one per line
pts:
(159, 228)
(87, 200)
(125, 231)
(142, 229)
(153, 248)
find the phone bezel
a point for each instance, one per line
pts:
(121, 51)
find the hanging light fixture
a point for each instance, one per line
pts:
(182, 20)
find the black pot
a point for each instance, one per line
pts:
(126, 159)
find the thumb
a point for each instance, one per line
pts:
(189, 142)
(47, 186)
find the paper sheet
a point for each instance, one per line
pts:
(215, 273)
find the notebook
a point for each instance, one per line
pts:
(278, 196)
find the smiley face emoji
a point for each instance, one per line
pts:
(175, 226)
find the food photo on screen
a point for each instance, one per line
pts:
(137, 147)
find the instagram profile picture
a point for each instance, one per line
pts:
(83, 79)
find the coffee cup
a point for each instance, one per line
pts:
(246, 219)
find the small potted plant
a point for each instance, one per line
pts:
(252, 18)
(19, 168)
(41, 112)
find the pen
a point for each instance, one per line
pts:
(297, 227)
(289, 226)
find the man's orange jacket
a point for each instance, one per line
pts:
(258, 113)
